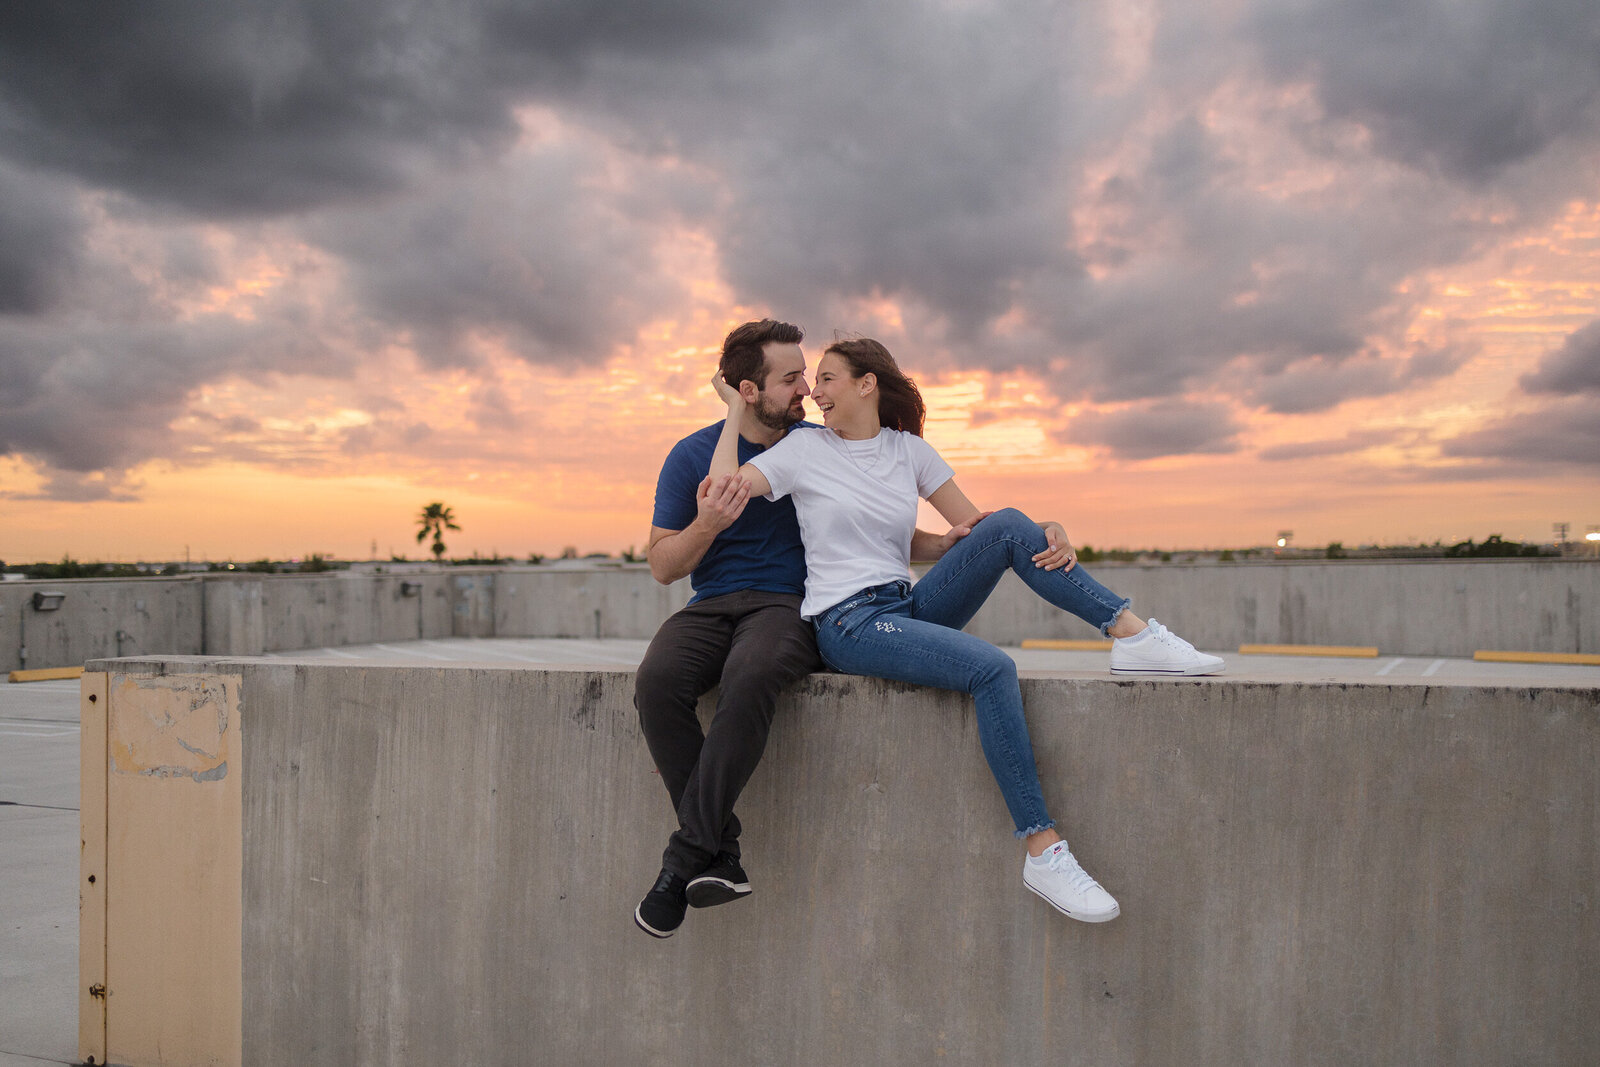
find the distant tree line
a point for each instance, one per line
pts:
(1492, 546)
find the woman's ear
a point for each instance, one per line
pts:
(869, 382)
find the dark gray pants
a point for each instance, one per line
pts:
(753, 644)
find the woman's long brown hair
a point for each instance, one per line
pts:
(900, 405)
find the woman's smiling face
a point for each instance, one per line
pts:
(837, 393)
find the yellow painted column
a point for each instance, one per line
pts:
(174, 870)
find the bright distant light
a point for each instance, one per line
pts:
(1283, 542)
(1593, 535)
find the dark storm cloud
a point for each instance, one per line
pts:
(1564, 432)
(1162, 428)
(901, 150)
(89, 397)
(1466, 88)
(934, 154)
(1572, 368)
(257, 108)
(280, 105)
(40, 227)
(523, 253)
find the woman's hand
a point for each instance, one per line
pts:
(1060, 554)
(958, 531)
(725, 392)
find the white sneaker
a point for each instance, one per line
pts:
(1057, 877)
(1157, 650)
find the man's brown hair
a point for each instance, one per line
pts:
(742, 355)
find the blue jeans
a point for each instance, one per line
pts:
(913, 634)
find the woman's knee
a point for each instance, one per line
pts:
(1015, 523)
(991, 667)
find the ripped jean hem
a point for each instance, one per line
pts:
(1105, 630)
(1036, 828)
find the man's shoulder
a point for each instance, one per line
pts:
(694, 450)
(705, 436)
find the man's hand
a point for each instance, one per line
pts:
(721, 501)
(1060, 554)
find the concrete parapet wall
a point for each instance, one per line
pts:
(1412, 608)
(246, 616)
(439, 866)
(1415, 608)
(239, 615)
(99, 617)
(602, 602)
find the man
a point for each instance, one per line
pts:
(742, 628)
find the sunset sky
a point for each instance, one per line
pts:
(274, 276)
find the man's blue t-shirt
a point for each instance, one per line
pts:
(761, 550)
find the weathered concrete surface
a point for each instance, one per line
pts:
(1405, 608)
(1412, 608)
(242, 615)
(249, 615)
(440, 865)
(598, 602)
(97, 618)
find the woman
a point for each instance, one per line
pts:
(855, 483)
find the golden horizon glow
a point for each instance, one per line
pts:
(536, 459)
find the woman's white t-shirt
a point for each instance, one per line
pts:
(857, 505)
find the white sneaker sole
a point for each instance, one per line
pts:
(1083, 917)
(1174, 672)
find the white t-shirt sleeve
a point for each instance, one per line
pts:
(930, 468)
(783, 463)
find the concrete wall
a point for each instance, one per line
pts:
(602, 602)
(113, 617)
(241, 615)
(439, 866)
(249, 615)
(1416, 608)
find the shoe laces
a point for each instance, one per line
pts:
(1168, 638)
(1064, 862)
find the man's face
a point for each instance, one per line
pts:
(781, 402)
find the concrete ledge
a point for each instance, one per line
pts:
(439, 866)
(1551, 606)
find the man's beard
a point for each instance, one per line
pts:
(774, 418)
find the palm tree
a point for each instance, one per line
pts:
(435, 519)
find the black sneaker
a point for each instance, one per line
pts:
(719, 883)
(660, 913)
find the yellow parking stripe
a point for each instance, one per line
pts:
(1582, 658)
(45, 674)
(1337, 651)
(1055, 645)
